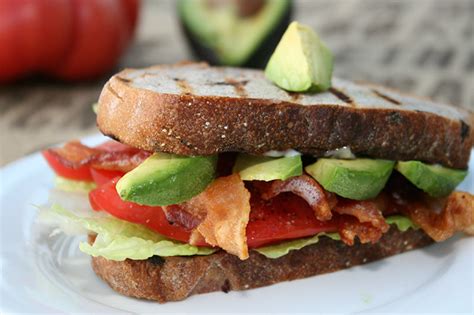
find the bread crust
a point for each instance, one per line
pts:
(190, 124)
(176, 278)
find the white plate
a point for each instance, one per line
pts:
(40, 274)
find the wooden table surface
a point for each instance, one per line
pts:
(424, 47)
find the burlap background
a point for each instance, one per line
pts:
(424, 47)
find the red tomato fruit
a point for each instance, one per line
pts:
(104, 176)
(106, 198)
(69, 39)
(56, 162)
(284, 217)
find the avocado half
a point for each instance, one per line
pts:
(220, 33)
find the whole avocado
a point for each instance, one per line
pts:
(248, 41)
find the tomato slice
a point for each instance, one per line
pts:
(283, 217)
(110, 159)
(106, 198)
(102, 177)
(56, 162)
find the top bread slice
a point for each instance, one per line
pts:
(195, 109)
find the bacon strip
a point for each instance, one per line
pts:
(364, 211)
(362, 219)
(74, 154)
(176, 214)
(305, 187)
(110, 156)
(120, 161)
(224, 209)
(456, 213)
(350, 227)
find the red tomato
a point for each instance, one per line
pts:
(285, 217)
(23, 25)
(64, 170)
(101, 164)
(106, 198)
(104, 176)
(71, 39)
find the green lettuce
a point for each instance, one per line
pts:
(95, 107)
(73, 185)
(118, 240)
(278, 250)
(281, 249)
(402, 223)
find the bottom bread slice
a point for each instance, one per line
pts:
(166, 279)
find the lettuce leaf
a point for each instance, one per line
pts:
(275, 251)
(403, 223)
(73, 185)
(118, 240)
(278, 250)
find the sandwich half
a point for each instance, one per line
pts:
(218, 180)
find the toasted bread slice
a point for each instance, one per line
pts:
(194, 109)
(176, 278)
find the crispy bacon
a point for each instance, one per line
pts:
(111, 155)
(441, 218)
(305, 187)
(224, 209)
(365, 211)
(360, 218)
(120, 161)
(350, 227)
(74, 154)
(176, 214)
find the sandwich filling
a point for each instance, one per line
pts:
(270, 205)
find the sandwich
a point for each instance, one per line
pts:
(216, 179)
(219, 180)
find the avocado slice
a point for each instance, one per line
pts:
(358, 179)
(265, 168)
(165, 179)
(234, 32)
(436, 180)
(301, 62)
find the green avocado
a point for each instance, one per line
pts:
(301, 62)
(234, 32)
(265, 168)
(436, 180)
(165, 179)
(358, 179)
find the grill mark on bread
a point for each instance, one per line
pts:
(239, 86)
(386, 97)
(342, 96)
(184, 86)
(124, 79)
(111, 90)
